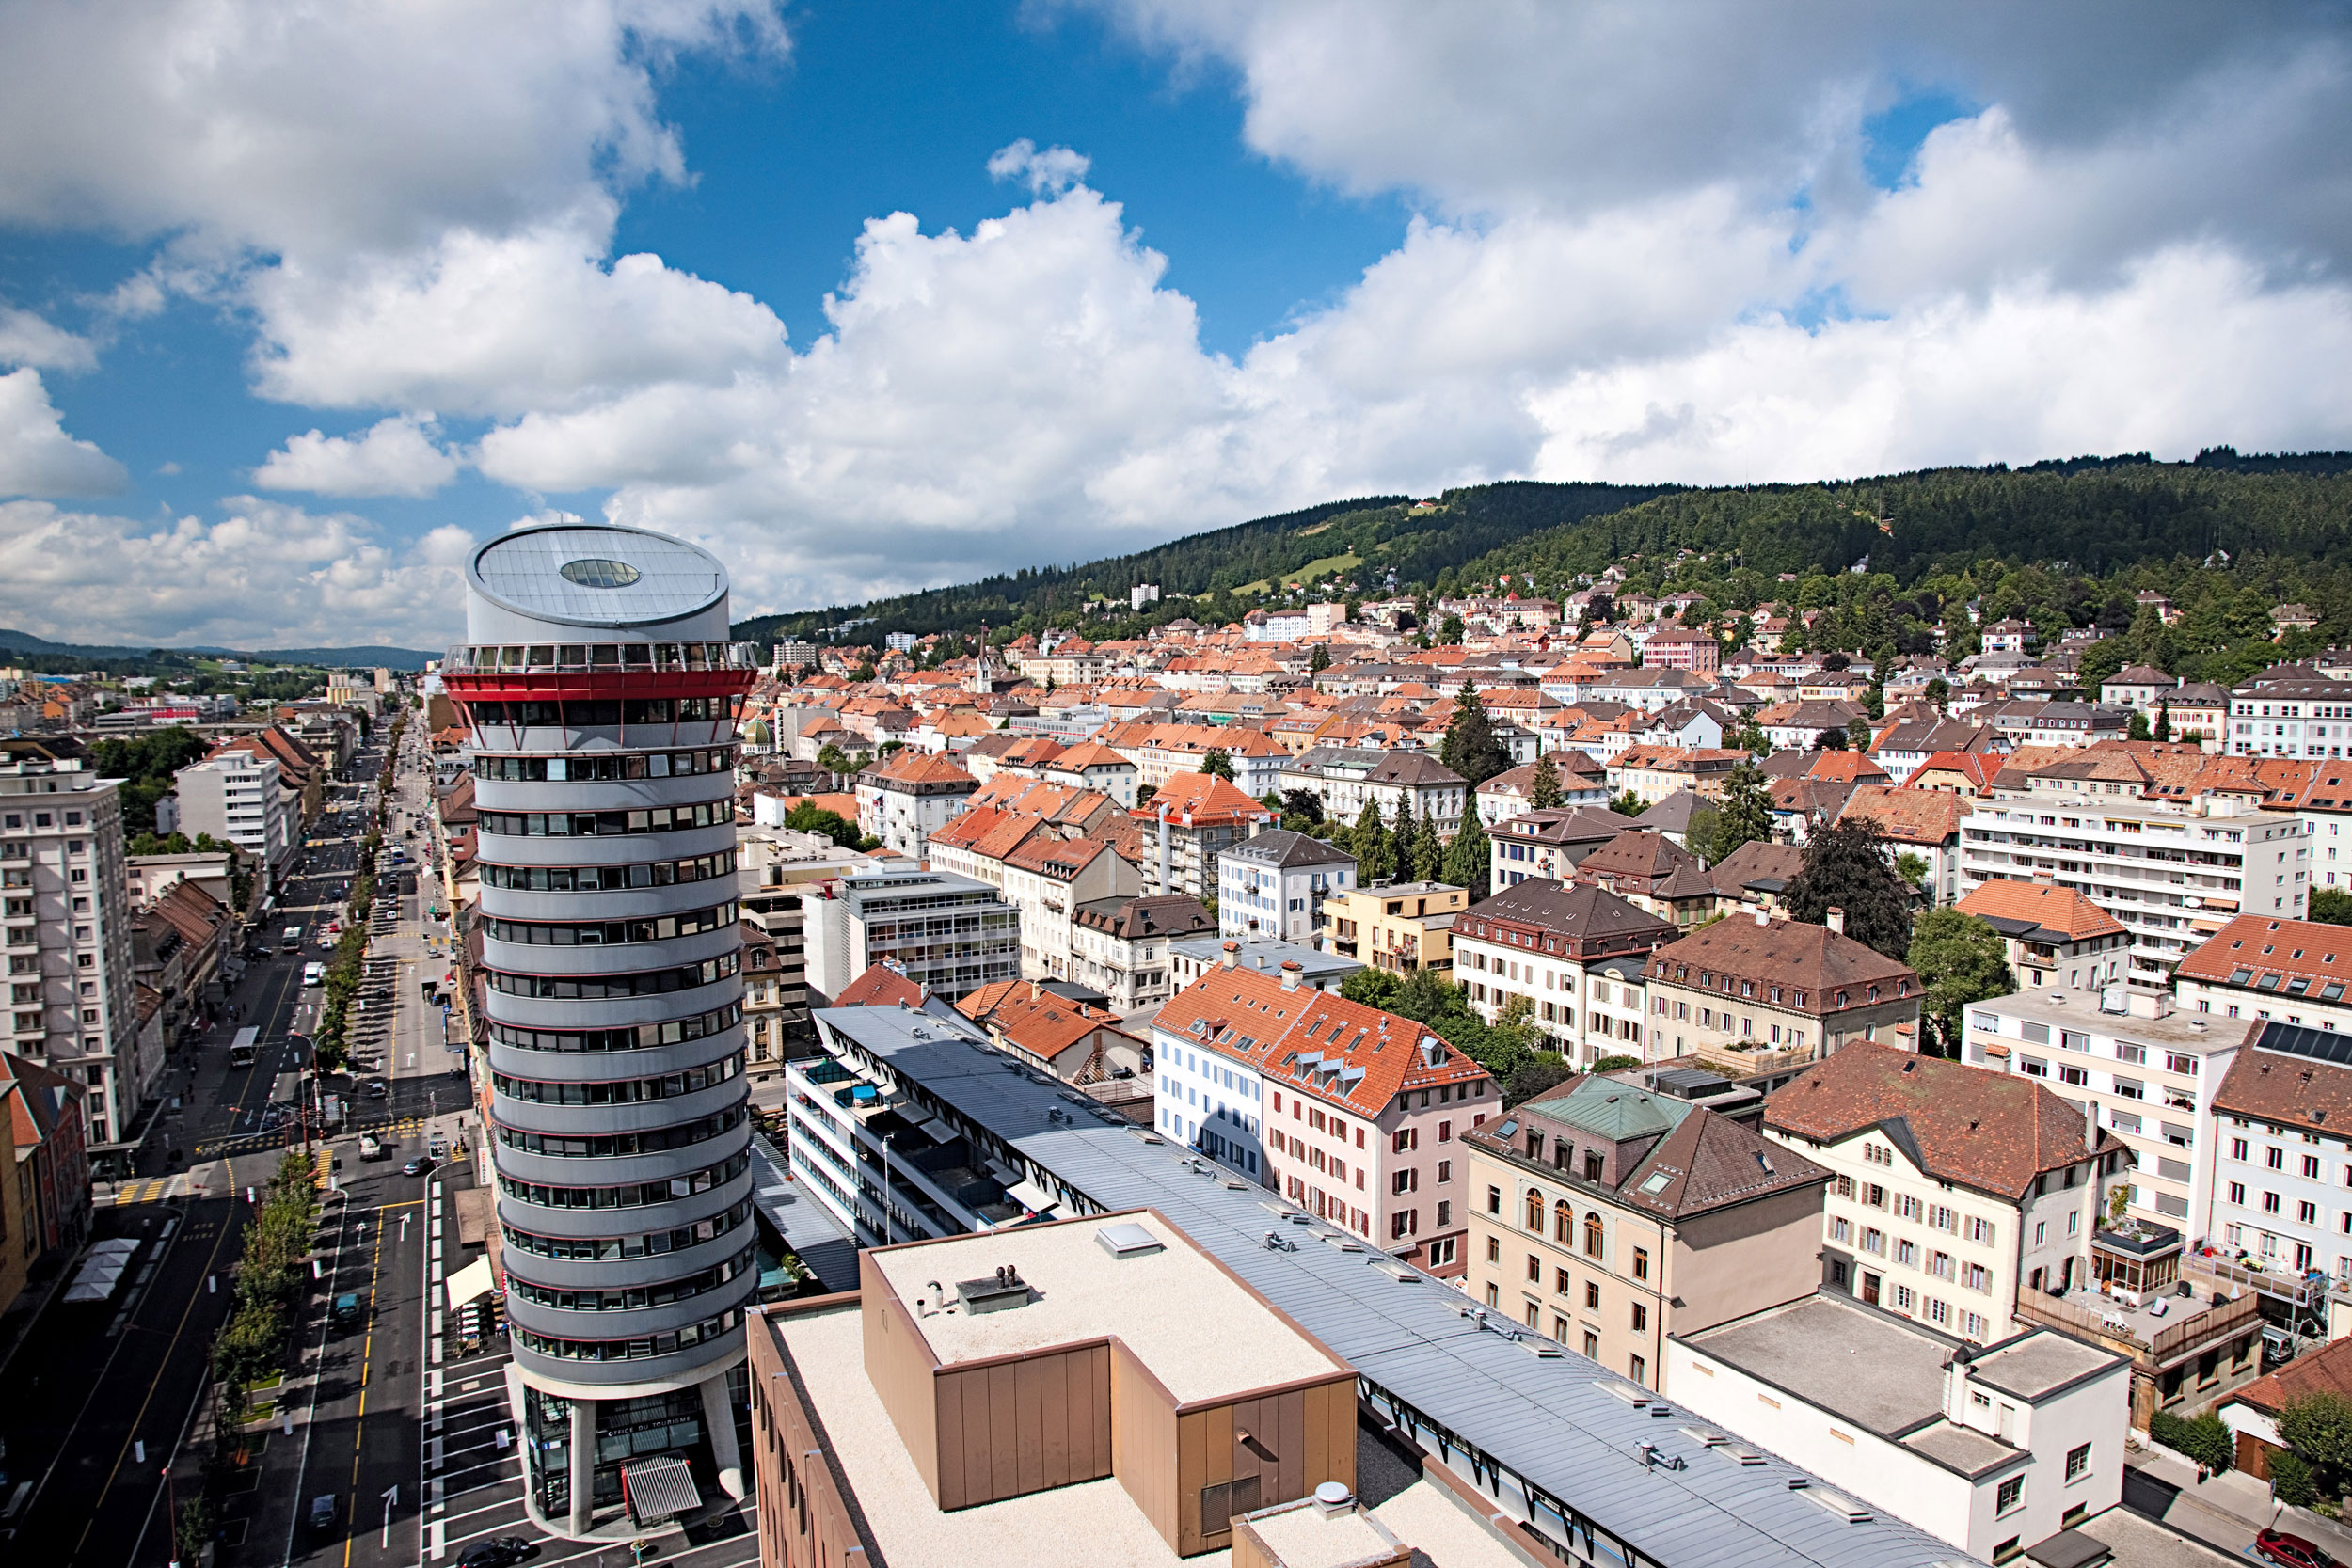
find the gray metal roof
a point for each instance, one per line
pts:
(1480, 1399)
(618, 575)
(808, 1227)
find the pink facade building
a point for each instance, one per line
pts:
(1681, 648)
(1354, 1113)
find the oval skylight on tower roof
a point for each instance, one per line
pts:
(596, 572)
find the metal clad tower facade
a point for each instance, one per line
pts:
(602, 695)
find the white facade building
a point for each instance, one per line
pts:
(2147, 1071)
(237, 797)
(1271, 887)
(1993, 1450)
(2171, 877)
(67, 936)
(2290, 719)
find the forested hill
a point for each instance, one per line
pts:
(2090, 515)
(1361, 541)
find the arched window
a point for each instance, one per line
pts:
(1535, 1213)
(1591, 1236)
(1563, 1225)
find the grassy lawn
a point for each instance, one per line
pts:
(1311, 572)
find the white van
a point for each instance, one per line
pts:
(314, 975)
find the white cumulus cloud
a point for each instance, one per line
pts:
(1046, 173)
(36, 456)
(26, 338)
(398, 457)
(264, 574)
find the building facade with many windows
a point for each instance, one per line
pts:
(1575, 955)
(64, 925)
(602, 699)
(948, 934)
(1610, 1217)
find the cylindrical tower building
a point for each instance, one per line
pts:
(603, 696)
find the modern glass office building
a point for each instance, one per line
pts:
(603, 698)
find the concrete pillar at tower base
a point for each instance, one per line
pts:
(718, 1419)
(583, 1466)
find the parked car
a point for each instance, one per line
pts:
(2290, 1551)
(372, 1146)
(323, 1510)
(498, 1552)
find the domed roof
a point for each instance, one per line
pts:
(597, 575)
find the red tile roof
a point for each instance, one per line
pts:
(2055, 909)
(879, 986)
(1960, 1124)
(2275, 954)
(1244, 1014)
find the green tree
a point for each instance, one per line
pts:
(809, 818)
(1320, 659)
(1831, 740)
(1960, 960)
(1615, 1063)
(1844, 868)
(1858, 732)
(2136, 729)
(1544, 1072)
(1745, 814)
(1374, 860)
(1912, 868)
(1372, 987)
(1428, 853)
(2331, 906)
(1303, 802)
(2204, 1440)
(1218, 764)
(1450, 634)
(1542, 790)
(1750, 738)
(2164, 722)
(1627, 804)
(1467, 857)
(2318, 1427)
(1939, 694)
(1471, 748)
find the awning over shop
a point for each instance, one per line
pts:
(658, 1486)
(469, 1282)
(1031, 1197)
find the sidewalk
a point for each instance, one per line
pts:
(2223, 1511)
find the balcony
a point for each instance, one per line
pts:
(1747, 1061)
(609, 657)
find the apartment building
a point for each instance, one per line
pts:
(68, 945)
(1346, 780)
(1654, 772)
(948, 934)
(1576, 954)
(238, 798)
(1751, 994)
(2171, 873)
(1997, 1451)
(1651, 872)
(1272, 885)
(1396, 925)
(1611, 1217)
(1955, 1188)
(1682, 648)
(1548, 842)
(2145, 1069)
(1048, 879)
(1077, 1042)
(2293, 970)
(2052, 935)
(909, 795)
(2291, 717)
(1353, 1114)
(1125, 947)
(2281, 1185)
(1197, 817)
(1921, 822)
(1192, 957)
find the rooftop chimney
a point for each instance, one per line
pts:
(1232, 954)
(1761, 918)
(1836, 920)
(1292, 973)
(2090, 1125)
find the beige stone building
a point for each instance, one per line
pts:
(1751, 994)
(1610, 1217)
(1404, 927)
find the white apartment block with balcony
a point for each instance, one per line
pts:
(2171, 875)
(2290, 719)
(2150, 1073)
(65, 929)
(237, 797)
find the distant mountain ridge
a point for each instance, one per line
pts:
(370, 656)
(2090, 512)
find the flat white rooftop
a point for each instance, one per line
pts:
(1198, 1330)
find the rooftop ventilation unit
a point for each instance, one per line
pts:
(1632, 1395)
(1000, 1292)
(1846, 1508)
(1128, 1239)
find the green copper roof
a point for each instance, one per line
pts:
(1607, 1109)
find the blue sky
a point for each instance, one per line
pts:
(1160, 267)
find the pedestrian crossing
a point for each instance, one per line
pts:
(151, 1190)
(395, 1128)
